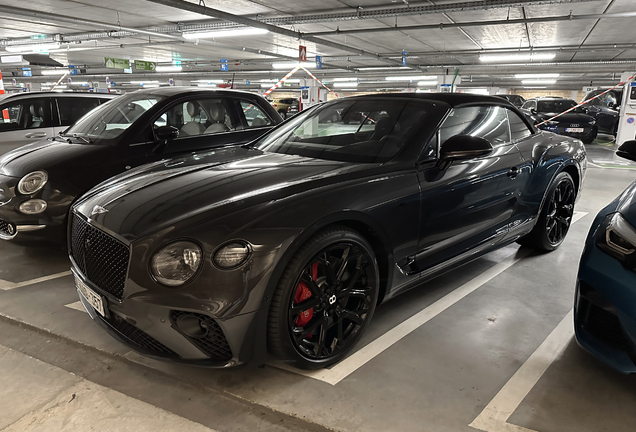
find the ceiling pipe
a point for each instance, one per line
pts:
(442, 26)
(47, 17)
(204, 10)
(417, 8)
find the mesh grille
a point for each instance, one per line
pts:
(101, 258)
(213, 343)
(606, 327)
(143, 341)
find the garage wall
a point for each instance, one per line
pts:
(527, 94)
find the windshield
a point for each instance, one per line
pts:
(110, 120)
(369, 130)
(555, 106)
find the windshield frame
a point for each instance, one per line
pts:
(555, 102)
(77, 131)
(432, 108)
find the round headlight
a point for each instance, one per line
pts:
(231, 255)
(32, 182)
(175, 264)
(33, 206)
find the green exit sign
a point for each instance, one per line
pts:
(142, 65)
(115, 63)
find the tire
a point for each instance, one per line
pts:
(337, 301)
(556, 215)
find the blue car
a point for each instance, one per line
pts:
(605, 303)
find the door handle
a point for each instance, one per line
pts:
(35, 135)
(514, 172)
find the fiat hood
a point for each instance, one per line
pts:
(51, 156)
(153, 196)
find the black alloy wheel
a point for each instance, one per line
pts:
(325, 299)
(556, 216)
(560, 211)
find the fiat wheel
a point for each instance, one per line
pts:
(324, 300)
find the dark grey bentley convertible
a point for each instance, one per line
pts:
(287, 244)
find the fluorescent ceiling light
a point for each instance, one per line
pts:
(204, 85)
(291, 65)
(534, 87)
(345, 79)
(11, 59)
(209, 81)
(248, 31)
(79, 83)
(168, 69)
(349, 89)
(516, 57)
(32, 48)
(345, 84)
(410, 78)
(151, 86)
(426, 83)
(54, 71)
(383, 68)
(144, 82)
(546, 75)
(61, 87)
(267, 85)
(539, 81)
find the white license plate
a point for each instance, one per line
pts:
(575, 130)
(90, 296)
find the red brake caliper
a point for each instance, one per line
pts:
(302, 294)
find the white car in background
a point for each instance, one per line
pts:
(30, 117)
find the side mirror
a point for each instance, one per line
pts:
(463, 147)
(165, 134)
(627, 150)
(533, 111)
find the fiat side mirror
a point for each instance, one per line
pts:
(463, 147)
(627, 150)
(164, 135)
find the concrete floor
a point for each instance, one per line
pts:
(488, 346)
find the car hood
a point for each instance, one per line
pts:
(568, 117)
(626, 204)
(163, 193)
(51, 156)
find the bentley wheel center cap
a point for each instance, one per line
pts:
(332, 299)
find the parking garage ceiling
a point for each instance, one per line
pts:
(487, 42)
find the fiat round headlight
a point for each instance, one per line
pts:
(231, 255)
(176, 263)
(32, 182)
(34, 206)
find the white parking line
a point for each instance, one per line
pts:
(6, 285)
(494, 418)
(359, 358)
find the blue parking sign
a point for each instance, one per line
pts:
(319, 62)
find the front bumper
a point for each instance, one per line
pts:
(589, 132)
(181, 333)
(13, 222)
(605, 309)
